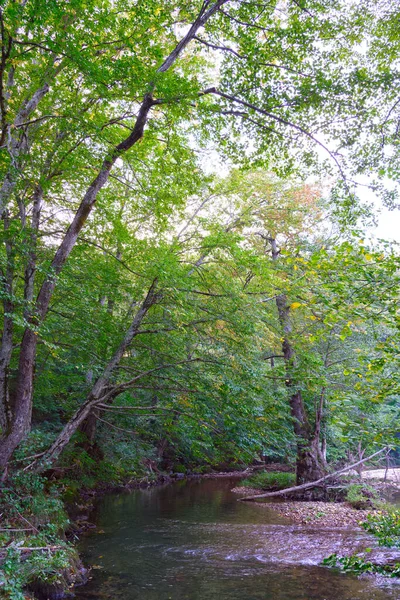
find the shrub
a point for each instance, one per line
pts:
(35, 516)
(385, 527)
(357, 565)
(361, 496)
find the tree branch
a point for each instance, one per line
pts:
(311, 484)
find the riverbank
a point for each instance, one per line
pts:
(46, 505)
(324, 514)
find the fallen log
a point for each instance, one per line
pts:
(310, 484)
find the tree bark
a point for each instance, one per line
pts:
(308, 461)
(7, 336)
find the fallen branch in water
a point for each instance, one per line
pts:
(311, 484)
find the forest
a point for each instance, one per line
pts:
(189, 278)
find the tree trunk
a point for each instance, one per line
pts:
(89, 428)
(22, 405)
(308, 461)
(7, 338)
(309, 466)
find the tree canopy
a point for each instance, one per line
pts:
(197, 315)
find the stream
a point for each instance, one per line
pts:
(192, 540)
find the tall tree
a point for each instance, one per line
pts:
(82, 84)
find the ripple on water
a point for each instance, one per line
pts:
(196, 542)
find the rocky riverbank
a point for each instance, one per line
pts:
(326, 514)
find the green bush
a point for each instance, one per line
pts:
(385, 527)
(357, 565)
(270, 480)
(35, 515)
(361, 496)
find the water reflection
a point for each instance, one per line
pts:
(193, 540)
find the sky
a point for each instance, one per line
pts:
(388, 225)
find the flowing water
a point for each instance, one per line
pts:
(192, 540)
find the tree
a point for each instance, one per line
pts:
(324, 288)
(91, 93)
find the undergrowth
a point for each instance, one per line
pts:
(363, 496)
(386, 528)
(270, 480)
(33, 548)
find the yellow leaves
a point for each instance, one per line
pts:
(368, 256)
(157, 11)
(295, 305)
(185, 401)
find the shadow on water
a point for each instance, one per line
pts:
(194, 540)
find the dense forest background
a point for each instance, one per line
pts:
(186, 277)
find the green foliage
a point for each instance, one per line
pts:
(20, 568)
(36, 518)
(386, 527)
(29, 495)
(265, 480)
(362, 496)
(358, 565)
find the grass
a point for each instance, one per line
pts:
(362, 496)
(270, 480)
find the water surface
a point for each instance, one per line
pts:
(193, 540)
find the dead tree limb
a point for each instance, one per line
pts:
(311, 484)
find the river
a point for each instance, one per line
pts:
(192, 540)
